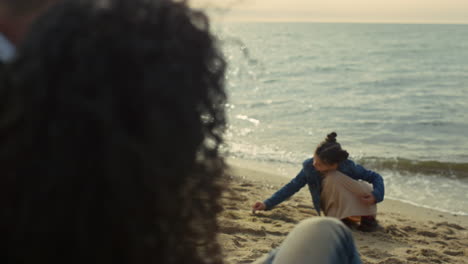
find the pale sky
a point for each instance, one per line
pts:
(399, 11)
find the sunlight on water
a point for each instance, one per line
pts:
(396, 95)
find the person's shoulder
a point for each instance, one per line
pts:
(347, 163)
(307, 162)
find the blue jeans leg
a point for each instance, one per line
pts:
(316, 240)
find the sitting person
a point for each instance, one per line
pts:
(323, 240)
(111, 119)
(16, 16)
(334, 186)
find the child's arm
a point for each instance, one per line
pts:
(358, 172)
(286, 191)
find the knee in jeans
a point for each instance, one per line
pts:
(322, 224)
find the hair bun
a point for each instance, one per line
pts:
(331, 137)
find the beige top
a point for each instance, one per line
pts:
(340, 196)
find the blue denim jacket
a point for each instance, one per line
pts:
(308, 175)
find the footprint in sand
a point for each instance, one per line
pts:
(240, 189)
(449, 231)
(441, 242)
(421, 242)
(306, 212)
(237, 243)
(447, 224)
(240, 238)
(448, 238)
(376, 254)
(283, 217)
(427, 234)
(230, 227)
(274, 245)
(240, 198)
(454, 253)
(392, 261)
(277, 233)
(305, 206)
(408, 228)
(429, 252)
(434, 256)
(414, 259)
(232, 215)
(257, 254)
(395, 231)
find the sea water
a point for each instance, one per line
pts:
(396, 94)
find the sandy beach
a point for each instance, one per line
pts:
(409, 234)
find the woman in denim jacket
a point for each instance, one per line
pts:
(333, 184)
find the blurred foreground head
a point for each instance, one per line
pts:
(111, 117)
(16, 16)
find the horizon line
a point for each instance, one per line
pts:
(342, 21)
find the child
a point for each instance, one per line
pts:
(333, 183)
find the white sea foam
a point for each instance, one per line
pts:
(251, 120)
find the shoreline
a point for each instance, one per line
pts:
(260, 172)
(409, 234)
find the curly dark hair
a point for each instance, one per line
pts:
(330, 151)
(22, 7)
(111, 119)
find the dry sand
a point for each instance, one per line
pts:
(409, 234)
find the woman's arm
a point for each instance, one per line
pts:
(358, 172)
(286, 191)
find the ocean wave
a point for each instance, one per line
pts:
(246, 118)
(435, 123)
(446, 169)
(437, 208)
(404, 166)
(262, 153)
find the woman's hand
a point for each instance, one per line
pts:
(368, 199)
(258, 206)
